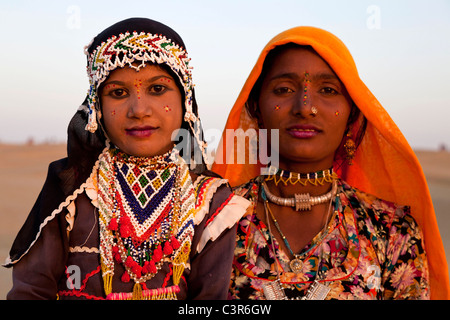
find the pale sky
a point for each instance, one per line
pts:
(401, 48)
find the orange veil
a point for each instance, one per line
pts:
(385, 165)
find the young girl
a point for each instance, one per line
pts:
(123, 216)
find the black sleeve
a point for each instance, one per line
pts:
(39, 251)
(210, 274)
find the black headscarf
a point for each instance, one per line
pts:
(84, 147)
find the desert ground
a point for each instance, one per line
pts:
(23, 170)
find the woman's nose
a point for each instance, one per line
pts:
(303, 104)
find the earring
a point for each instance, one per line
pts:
(314, 110)
(350, 149)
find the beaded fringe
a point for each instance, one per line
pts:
(107, 280)
(295, 178)
(169, 293)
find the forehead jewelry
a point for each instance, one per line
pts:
(305, 89)
(138, 84)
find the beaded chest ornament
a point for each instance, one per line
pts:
(146, 208)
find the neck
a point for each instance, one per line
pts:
(121, 156)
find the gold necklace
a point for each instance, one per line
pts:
(314, 178)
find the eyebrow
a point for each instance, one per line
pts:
(152, 79)
(314, 77)
(324, 76)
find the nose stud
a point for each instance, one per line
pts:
(314, 110)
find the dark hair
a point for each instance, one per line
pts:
(355, 117)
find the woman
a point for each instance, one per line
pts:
(123, 217)
(327, 219)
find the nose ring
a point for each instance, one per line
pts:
(314, 110)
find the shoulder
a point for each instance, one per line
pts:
(214, 194)
(217, 207)
(249, 189)
(375, 214)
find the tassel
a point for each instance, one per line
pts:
(107, 283)
(179, 263)
(125, 227)
(129, 262)
(125, 277)
(137, 292)
(116, 254)
(113, 224)
(149, 267)
(107, 279)
(175, 243)
(167, 248)
(137, 270)
(125, 231)
(157, 254)
(145, 268)
(152, 267)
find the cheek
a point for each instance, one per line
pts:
(270, 113)
(111, 117)
(172, 114)
(110, 121)
(337, 122)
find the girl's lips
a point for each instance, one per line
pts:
(303, 131)
(141, 132)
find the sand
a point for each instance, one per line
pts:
(23, 169)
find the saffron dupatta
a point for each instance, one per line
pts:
(385, 164)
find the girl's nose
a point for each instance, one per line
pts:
(140, 106)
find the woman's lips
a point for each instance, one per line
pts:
(303, 131)
(141, 132)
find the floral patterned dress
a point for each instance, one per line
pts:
(371, 249)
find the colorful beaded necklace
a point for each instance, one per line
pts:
(315, 178)
(146, 209)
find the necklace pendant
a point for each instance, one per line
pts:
(317, 291)
(273, 291)
(296, 265)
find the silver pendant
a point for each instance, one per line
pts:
(296, 265)
(317, 291)
(273, 291)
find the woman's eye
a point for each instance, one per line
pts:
(283, 90)
(328, 91)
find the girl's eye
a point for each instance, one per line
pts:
(158, 89)
(118, 93)
(283, 90)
